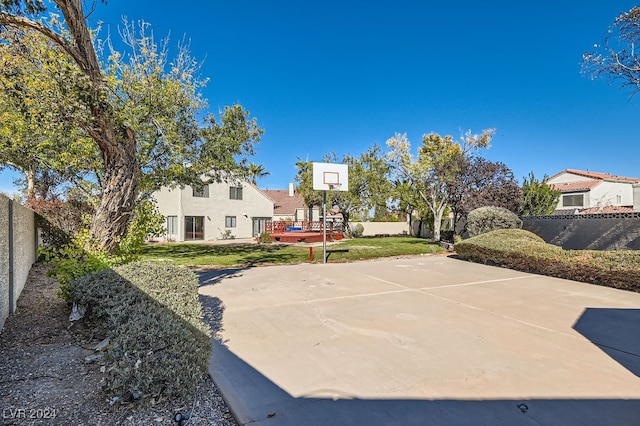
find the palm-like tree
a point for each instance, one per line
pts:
(257, 171)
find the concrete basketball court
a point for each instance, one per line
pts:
(430, 340)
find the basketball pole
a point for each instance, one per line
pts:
(324, 226)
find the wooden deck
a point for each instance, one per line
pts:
(304, 237)
(303, 231)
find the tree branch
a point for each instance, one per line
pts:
(25, 23)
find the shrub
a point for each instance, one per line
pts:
(78, 256)
(357, 231)
(72, 261)
(486, 219)
(523, 251)
(159, 344)
(447, 236)
(265, 238)
(147, 222)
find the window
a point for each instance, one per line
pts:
(202, 192)
(172, 225)
(229, 221)
(575, 200)
(235, 193)
(618, 199)
(194, 227)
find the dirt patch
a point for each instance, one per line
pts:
(44, 379)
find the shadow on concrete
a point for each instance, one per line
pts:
(215, 276)
(255, 399)
(615, 331)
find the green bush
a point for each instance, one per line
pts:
(524, 251)
(73, 260)
(147, 223)
(79, 256)
(357, 231)
(265, 238)
(486, 219)
(159, 344)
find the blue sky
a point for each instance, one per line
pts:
(342, 75)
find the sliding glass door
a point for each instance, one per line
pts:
(194, 227)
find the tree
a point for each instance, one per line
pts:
(115, 139)
(34, 82)
(257, 171)
(304, 183)
(538, 197)
(141, 117)
(481, 183)
(617, 57)
(436, 165)
(369, 186)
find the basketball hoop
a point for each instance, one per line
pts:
(334, 186)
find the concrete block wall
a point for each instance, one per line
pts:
(613, 231)
(18, 246)
(4, 259)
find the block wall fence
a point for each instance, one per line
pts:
(18, 244)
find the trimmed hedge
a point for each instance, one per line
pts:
(159, 344)
(524, 251)
(487, 219)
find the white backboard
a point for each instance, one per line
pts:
(330, 177)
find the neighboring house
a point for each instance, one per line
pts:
(289, 206)
(219, 210)
(592, 192)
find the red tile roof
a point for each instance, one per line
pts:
(600, 176)
(592, 210)
(282, 202)
(607, 209)
(583, 185)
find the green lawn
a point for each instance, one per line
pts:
(243, 254)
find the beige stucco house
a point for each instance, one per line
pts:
(593, 192)
(219, 210)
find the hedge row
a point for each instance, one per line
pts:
(159, 344)
(524, 251)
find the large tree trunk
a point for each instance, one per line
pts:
(119, 193)
(117, 143)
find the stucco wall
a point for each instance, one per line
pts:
(4, 259)
(382, 228)
(214, 208)
(24, 246)
(606, 194)
(21, 244)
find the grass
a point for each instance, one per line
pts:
(244, 254)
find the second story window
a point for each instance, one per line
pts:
(235, 193)
(202, 192)
(575, 200)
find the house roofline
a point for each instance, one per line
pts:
(608, 177)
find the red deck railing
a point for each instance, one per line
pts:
(277, 226)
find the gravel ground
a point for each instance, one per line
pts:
(44, 379)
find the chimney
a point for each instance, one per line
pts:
(636, 197)
(291, 193)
